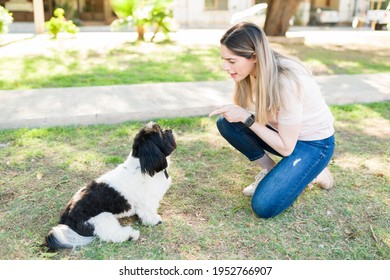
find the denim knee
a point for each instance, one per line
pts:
(264, 211)
(222, 125)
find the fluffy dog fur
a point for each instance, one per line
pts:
(133, 187)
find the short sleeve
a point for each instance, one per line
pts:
(292, 111)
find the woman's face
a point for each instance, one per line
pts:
(238, 67)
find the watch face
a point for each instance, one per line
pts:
(250, 120)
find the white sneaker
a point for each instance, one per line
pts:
(324, 179)
(250, 190)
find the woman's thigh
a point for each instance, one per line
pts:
(244, 139)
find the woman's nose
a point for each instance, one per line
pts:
(225, 66)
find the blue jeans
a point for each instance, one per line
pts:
(288, 179)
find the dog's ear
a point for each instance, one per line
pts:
(151, 158)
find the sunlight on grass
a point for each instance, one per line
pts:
(134, 63)
(35, 133)
(356, 112)
(114, 160)
(347, 64)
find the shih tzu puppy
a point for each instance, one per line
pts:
(134, 187)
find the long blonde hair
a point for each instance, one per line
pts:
(246, 40)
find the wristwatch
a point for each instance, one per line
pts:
(250, 120)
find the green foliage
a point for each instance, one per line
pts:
(159, 17)
(124, 8)
(156, 14)
(5, 19)
(58, 24)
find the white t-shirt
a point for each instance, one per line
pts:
(304, 106)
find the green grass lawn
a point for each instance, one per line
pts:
(135, 63)
(205, 214)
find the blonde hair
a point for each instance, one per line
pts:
(247, 40)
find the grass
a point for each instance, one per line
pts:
(130, 64)
(205, 214)
(329, 60)
(134, 63)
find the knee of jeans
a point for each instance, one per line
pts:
(263, 210)
(221, 124)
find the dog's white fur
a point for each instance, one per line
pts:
(144, 201)
(140, 190)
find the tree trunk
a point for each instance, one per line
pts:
(279, 13)
(141, 32)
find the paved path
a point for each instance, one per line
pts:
(115, 104)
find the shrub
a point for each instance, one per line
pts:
(58, 24)
(5, 19)
(141, 14)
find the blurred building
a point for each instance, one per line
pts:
(187, 13)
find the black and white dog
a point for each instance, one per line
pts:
(134, 187)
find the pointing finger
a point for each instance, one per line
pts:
(216, 112)
(220, 110)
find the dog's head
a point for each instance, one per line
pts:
(152, 145)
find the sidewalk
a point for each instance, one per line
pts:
(115, 104)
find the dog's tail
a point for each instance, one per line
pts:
(63, 237)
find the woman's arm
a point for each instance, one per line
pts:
(283, 141)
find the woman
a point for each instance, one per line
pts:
(277, 109)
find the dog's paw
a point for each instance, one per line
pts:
(157, 220)
(152, 220)
(134, 236)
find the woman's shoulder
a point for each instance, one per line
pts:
(294, 68)
(292, 63)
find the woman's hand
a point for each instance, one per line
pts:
(232, 113)
(283, 141)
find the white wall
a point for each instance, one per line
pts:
(346, 9)
(192, 13)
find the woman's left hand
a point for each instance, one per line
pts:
(232, 113)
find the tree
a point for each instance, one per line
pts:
(5, 19)
(144, 13)
(58, 23)
(279, 13)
